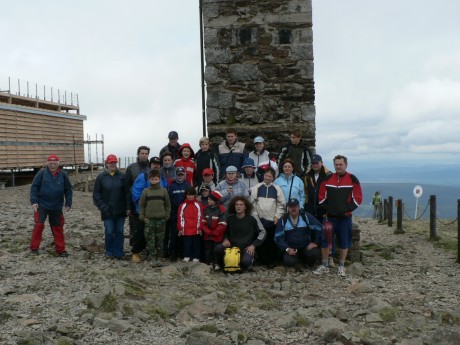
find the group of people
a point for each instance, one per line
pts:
(196, 205)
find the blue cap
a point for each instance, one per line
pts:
(248, 162)
(259, 139)
(293, 202)
(173, 135)
(180, 170)
(316, 159)
(231, 168)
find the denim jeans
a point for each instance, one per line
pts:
(114, 237)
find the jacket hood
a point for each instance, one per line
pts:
(183, 146)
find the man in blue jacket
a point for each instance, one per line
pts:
(47, 193)
(294, 236)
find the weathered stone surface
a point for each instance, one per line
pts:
(270, 43)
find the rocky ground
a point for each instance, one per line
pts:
(405, 291)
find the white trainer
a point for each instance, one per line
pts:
(186, 259)
(321, 269)
(341, 271)
(196, 260)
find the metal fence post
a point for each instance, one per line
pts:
(390, 211)
(433, 234)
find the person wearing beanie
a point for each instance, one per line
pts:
(231, 186)
(249, 177)
(262, 158)
(207, 179)
(49, 188)
(111, 197)
(213, 225)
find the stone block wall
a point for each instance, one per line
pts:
(259, 69)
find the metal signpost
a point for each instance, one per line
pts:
(418, 191)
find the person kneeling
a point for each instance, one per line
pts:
(298, 234)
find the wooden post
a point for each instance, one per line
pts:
(433, 234)
(86, 186)
(458, 231)
(380, 217)
(91, 167)
(399, 217)
(385, 209)
(390, 211)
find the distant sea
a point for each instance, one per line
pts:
(446, 198)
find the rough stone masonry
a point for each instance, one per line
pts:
(259, 69)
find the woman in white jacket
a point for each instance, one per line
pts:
(269, 205)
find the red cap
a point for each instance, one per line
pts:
(215, 195)
(112, 159)
(208, 171)
(53, 158)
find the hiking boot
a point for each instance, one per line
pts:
(341, 271)
(186, 259)
(321, 270)
(216, 267)
(331, 262)
(64, 255)
(136, 258)
(34, 252)
(196, 260)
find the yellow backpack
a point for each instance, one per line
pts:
(232, 260)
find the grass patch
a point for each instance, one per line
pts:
(448, 318)
(154, 310)
(232, 309)
(127, 310)
(387, 255)
(109, 303)
(301, 322)
(389, 314)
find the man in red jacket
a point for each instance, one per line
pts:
(339, 195)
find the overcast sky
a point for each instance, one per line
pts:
(387, 74)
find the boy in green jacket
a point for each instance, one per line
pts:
(155, 208)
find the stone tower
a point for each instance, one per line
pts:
(259, 69)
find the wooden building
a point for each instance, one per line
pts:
(31, 129)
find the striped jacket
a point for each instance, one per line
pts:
(189, 217)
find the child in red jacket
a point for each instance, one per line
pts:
(189, 225)
(213, 226)
(186, 161)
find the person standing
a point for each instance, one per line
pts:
(298, 152)
(339, 195)
(376, 201)
(231, 186)
(249, 176)
(49, 188)
(173, 146)
(189, 217)
(154, 210)
(313, 179)
(262, 158)
(291, 184)
(269, 205)
(111, 197)
(186, 161)
(205, 159)
(315, 176)
(132, 171)
(231, 152)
